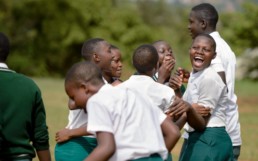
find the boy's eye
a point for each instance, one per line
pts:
(161, 50)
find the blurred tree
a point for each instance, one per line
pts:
(46, 35)
(240, 28)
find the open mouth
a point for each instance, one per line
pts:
(198, 61)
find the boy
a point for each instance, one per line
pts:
(208, 139)
(166, 61)
(23, 127)
(120, 118)
(116, 65)
(145, 60)
(70, 140)
(203, 18)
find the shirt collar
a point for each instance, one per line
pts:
(3, 65)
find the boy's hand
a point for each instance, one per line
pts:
(166, 68)
(63, 135)
(184, 74)
(175, 81)
(178, 108)
(201, 110)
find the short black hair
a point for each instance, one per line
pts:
(89, 47)
(207, 12)
(209, 37)
(145, 58)
(4, 47)
(83, 72)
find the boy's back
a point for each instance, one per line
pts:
(161, 95)
(22, 115)
(132, 119)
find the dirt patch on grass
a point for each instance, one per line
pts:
(247, 104)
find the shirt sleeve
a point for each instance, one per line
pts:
(40, 136)
(99, 118)
(217, 65)
(162, 95)
(209, 93)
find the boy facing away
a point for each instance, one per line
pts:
(120, 118)
(23, 128)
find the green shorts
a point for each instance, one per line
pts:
(211, 144)
(76, 149)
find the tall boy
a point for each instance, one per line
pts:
(120, 118)
(203, 18)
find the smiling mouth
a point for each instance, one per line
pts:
(198, 60)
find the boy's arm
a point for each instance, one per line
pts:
(44, 155)
(67, 134)
(179, 107)
(105, 149)
(180, 122)
(171, 133)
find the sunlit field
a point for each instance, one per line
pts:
(55, 101)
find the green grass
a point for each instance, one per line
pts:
(55, 101)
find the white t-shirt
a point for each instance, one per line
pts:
(207, 88)
(134, 121)
(226, 61)
(78, 118)
(161, 95)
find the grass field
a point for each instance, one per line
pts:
(55, 101)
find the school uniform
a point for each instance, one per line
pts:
(225, 61)
(134, 121)
(23, 126)
(207, 88)
(161, 95)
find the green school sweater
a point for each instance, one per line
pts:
(22, 116)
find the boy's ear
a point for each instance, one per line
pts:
(96, 57)
(204, 24)
(215, 54)
(84, 86)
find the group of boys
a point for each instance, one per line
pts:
(140, 119)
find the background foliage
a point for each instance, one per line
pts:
(46, 35)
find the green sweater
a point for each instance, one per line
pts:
(22, 116)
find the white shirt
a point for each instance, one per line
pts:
(206, 88)
(78, 118)
(135, 123)
(161, 95)
(227, 60)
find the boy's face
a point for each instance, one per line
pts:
(195, 25)
(201, 53)
(116, 63)
(105, 56)
(164, 51)
(77, 96)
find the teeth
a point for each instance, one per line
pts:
(197, 57)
